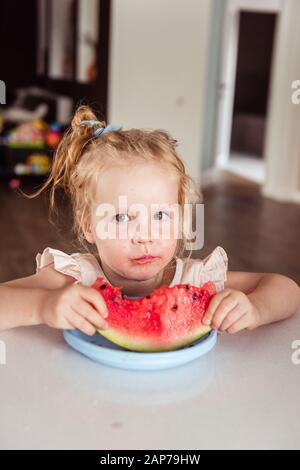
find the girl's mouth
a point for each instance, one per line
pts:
(144, 259)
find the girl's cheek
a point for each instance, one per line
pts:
(168, 248)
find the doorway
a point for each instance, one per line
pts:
(244, 88)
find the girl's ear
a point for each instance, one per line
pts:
(88, 232)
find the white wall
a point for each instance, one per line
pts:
(158, 59)
(282, 146)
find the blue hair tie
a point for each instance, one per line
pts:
(101, 130)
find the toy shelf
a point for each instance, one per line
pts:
(9, 157)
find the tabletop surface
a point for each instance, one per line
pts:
(243, 394)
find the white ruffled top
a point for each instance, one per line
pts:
(85, 268)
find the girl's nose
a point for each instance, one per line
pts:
(141, 240)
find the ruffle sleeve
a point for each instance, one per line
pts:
(214, 268)
(82, 266)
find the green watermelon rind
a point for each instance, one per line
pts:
(141, 345)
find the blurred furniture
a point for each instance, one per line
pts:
(36, 103)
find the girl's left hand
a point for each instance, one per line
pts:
(231, 310)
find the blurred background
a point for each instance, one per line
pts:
(219, 75)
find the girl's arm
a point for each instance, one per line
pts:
(21, 299)
(277, 297)
(250, 300)
(20, 306)
(51, 298)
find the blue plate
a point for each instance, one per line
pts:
(104, 351)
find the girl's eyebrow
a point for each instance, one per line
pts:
(155, 208)
(168, 206)
(133, 208)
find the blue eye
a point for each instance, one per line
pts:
(160, 215)
(120, 217)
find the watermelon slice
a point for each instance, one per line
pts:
(170, 318)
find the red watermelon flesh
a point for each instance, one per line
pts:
(167, 319)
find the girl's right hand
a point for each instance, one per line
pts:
(74, 307)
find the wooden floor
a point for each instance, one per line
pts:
(259, 234)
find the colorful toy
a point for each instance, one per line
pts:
(36, 164)
(53, 135)
(22, 169)
(28, 135)
(35, 134)
(14, 183)
(40, 163)
(40, 124)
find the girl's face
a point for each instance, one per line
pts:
(133, 215)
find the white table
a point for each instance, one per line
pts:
(243, 394)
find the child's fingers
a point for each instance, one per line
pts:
(239, 325)
(232, 317)
(86, 310)
(92, 295)
(80, 323)
(63, 324)
(214, 303)
(67, 325)
(222, 311)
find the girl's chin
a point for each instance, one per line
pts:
(143, 272)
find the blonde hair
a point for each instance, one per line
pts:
(80, 158)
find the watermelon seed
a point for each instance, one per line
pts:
(195, 297)
(148, 296)
(103, 286)
(175, 307)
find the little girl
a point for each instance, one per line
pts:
(99, 166)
